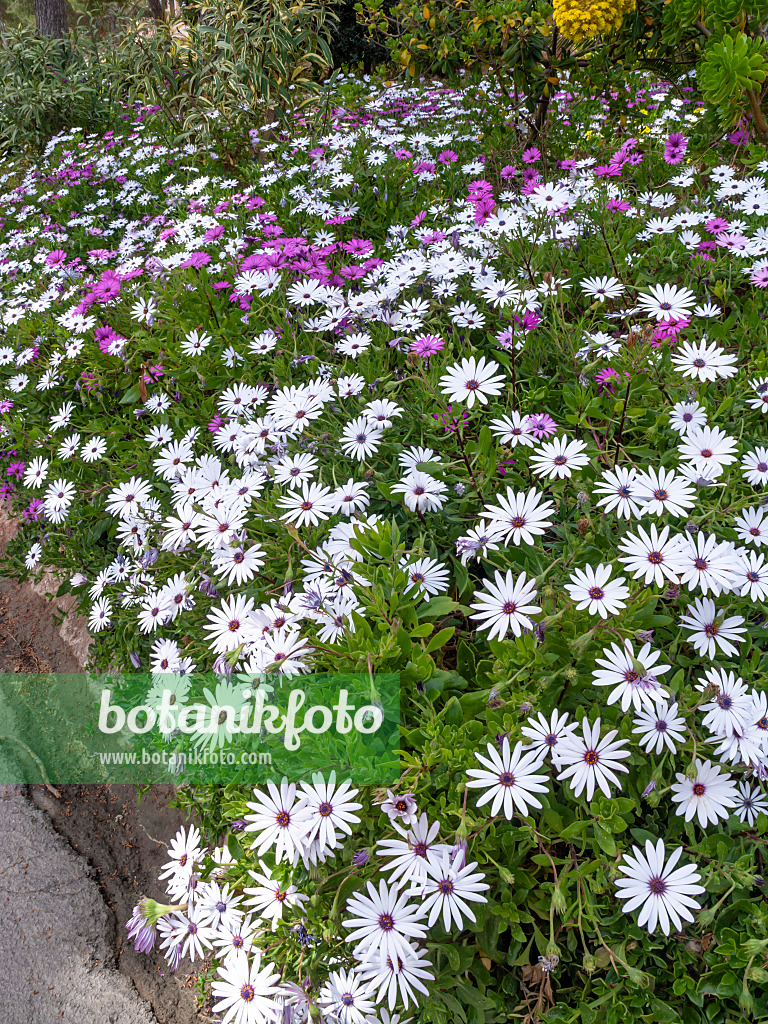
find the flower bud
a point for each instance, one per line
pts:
(558, 902)
(589, 963)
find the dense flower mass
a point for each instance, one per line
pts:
(385, 403)
(586, 19)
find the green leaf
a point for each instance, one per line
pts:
(437, 608)
(440, 639)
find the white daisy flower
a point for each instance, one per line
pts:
(707, 447)
(426, 576)
(749, 803)
(749, 527)
(506, 605)
(703, 361)
(664, 894)
(510, 778)
(593, 589)
(558, 458)
(450, 889)
(472, 379)
(667, 302)
(754, 467)
(662, 492)
(546, 735)
(408, 857)
(621, 491)
(519, 517)
(710, 630)
(684, 416)
(590, 761)
(634, 677)
(707, 796)
(659, 727)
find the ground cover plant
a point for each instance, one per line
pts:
(396, 397)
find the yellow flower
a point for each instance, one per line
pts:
(586, 19)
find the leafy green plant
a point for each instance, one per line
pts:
(733, 68)
(47, 85)
(236, 64)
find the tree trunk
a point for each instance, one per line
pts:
(51, 17)
(156, 9)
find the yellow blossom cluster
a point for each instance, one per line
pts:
(586, 19)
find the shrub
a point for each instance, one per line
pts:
(237, 66)
(46, 85)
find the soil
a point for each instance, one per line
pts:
(36, 632)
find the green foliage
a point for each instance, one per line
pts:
(731, 67)
(47, 85)
(237, 65)
(725, 40)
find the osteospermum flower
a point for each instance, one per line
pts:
(634, 677)
(449, 889)
(709, 564)
(730, 709)
(330, 807)
(472, 380)
(602, 288)
(401, 979)
(421, 492)
(760, 386)
(749, 803)
(232, 624)
(750, 527)
(546, 735)
(707, 796)
(754, 467)
(654, 556)
(360, 438)
(269, 898)
(247, 992)
(589, 760)
(281, 820)
(593, 589)
(101, 612)
(512, 430)
(408, 857)
(194, 933)
(706, 447)
(662, 492)
(621, 490)
(425, 577)
(507, 605)
(665, 893)
(510, 779)
(559, 458)
(346, 997)
(667, 302)
(184, 851)
(476, 543)
(519, 517)
(383, 920)
(309, 506)
(659, 727)
(752, 576)
(703, 361)
(686, 416)
(710, 630)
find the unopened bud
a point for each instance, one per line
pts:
(558, 902)
(589, 963)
